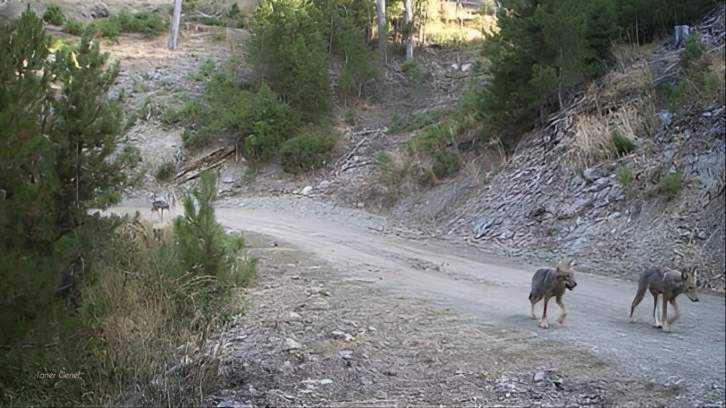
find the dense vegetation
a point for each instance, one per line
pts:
(283, 111)
(541, 55)
(108, 27)
(94, 297)
(545, 51)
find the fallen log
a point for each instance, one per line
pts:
(212, 160)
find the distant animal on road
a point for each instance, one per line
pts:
(548, 283)
(158, 205)
(668, 284)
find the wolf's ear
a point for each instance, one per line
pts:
(571, 262)
(684, 275)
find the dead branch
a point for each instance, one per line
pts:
(352, 152)
(27, 346)
(211, 161)
(355, 165)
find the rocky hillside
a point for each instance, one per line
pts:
(563, 194)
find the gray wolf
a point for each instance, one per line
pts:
(158, 206)
(548, 283)
(667, 283)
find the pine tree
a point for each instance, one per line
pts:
(287, 52)
(200, 237)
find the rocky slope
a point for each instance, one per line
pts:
(612, 216)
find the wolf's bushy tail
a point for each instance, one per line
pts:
(537, 281)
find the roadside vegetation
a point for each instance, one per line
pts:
(107, 27)
(521, 79)
(95, 308)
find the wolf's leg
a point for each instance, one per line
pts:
(534, 300)
(561, 319)
(543, 323)
(664, 319)
(678, 313)
(656, 315)
(636, 301)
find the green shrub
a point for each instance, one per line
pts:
(213, 21)
(108, 28)
(73, 26)
(623, 145)
(165, 172)
(382, 161)
(623, 177)
(671, 184)
(309, 150)
(54, 15)
(416, 120)
(190, 114)
(192, 139)
(350, 116)
(111, 27)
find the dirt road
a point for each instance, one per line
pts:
(494, 291)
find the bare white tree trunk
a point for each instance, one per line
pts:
(174, 26)
(382, 29)
(409, 29)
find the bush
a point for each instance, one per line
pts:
(165, 172)
(190, 114)
(382, 161)
(54, 15)
(125, 22)
(623, 177)
(416, 120)
(671, 184)
(73, 26)
(623, 145)
(310, 150)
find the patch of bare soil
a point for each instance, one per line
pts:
(313, 338)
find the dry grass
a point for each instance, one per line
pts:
(142, 329)
(397, 174)
(631, 81)
(621, 105)
(139, 329)
(479, 168)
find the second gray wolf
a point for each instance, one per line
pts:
(667, 283)
(548, 283)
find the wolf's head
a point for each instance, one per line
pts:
(566, 275)
(690, 284)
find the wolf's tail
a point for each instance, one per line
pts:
(537, 281)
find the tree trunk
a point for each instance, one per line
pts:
(382, 29)
(175, 20)
(681, 33)
(409, 29)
